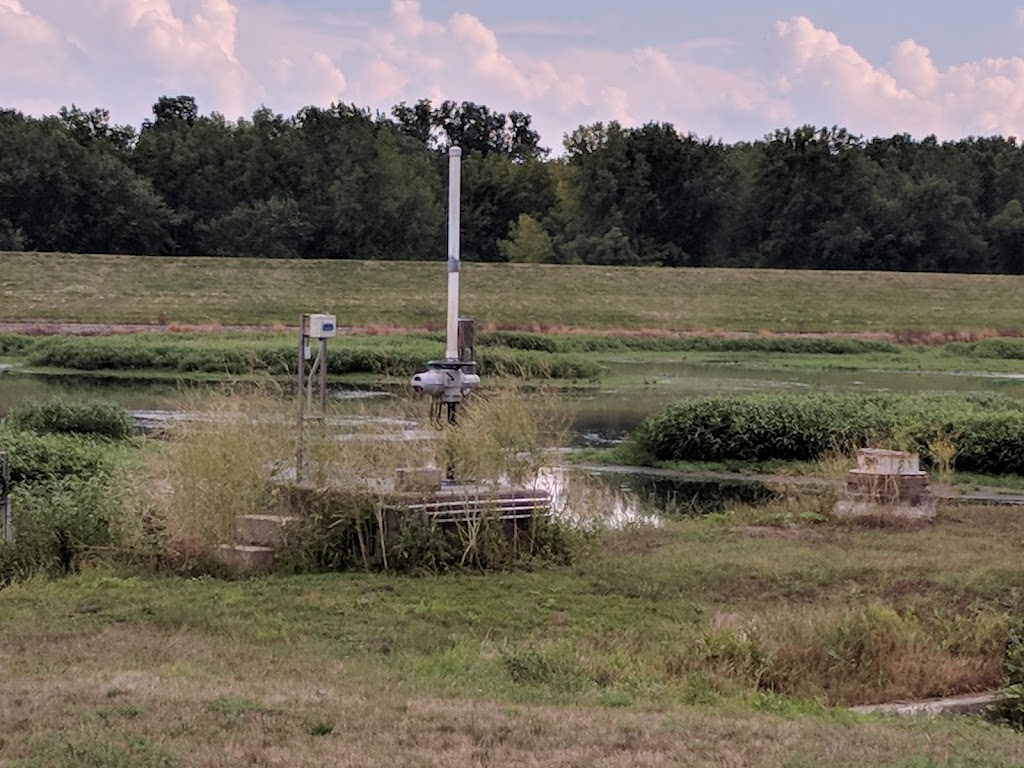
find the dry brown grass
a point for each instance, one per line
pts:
(211, 327)
(218, 465)
(694, 644)
(151, 707)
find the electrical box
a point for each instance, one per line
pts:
(322, 327)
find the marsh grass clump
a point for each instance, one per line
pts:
(855, 655)
(1010, 708)
(238, 456)
(273, 354)
(982, 434)
(217, 466)
(65, 417)
(353, 518)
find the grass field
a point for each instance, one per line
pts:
(732, 640)
(702, 643)
(60, 287)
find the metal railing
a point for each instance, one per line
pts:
(505, 506)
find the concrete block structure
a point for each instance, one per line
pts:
(887, 484)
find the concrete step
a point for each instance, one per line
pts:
(971, 704)
(240, 557)
(265, 530)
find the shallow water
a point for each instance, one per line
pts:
(618, 499)
(597, 416)
(607, 415)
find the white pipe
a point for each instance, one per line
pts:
(454, 245)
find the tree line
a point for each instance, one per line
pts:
(346, 183)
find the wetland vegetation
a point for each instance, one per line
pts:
(737, 636)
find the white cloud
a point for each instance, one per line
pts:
(913, 68)
(827, 81)
(18, 24)
(234, 55)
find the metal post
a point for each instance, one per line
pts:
(454, 249)
(300, 449)
(5, 498)
(323, 379)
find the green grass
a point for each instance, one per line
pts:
(568, 358)
(242, 354)
(660, 646)
(253, 291)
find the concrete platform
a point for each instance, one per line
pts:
(265, 530)
(240, 557)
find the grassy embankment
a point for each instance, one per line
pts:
(609, 303)
(697, 643)
(108, 289)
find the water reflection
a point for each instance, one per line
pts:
(620, 500)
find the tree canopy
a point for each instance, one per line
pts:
(342, 182)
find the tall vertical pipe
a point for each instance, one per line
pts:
(454, 246)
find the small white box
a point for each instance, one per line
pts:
(322, 327)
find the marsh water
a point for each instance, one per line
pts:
(597, 415)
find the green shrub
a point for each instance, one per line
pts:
(49, 458)
(64, 417)
(988, 430)
(62, 499)
(11, 344)
(57, 523)
(533, 342)
(992, 349)
(824, 345)
(1010, 708)
(537, 365)
(379, 355)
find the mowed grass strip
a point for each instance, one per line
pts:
(114, 289)
(659, 647)
(292, 717)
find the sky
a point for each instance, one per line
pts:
(729, 69)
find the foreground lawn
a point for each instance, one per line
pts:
(411, 294)
(706, 642)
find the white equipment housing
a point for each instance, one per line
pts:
(322, 327)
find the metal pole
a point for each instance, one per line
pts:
(454, 249)
(300, 449)
(5, 498)
(323, 379)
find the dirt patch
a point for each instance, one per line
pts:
(909, 337)
(44, 328)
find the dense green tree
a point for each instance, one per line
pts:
(62, 192)
(344, 182)
(1007, 237)
(811, 187)
(528, 242)
(664, 192)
